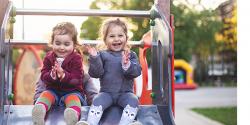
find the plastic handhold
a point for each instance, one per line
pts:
(12, 20)
(152, 95)
(11, 96)
(152, 22)
(13, 12)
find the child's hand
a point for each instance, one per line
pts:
(59, 70)
(53, 73)
(125, 57)
(91, 50)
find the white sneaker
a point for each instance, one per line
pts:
(136, 123)
(70, 116)
(128, 115)
(82, 123)
(38, 114)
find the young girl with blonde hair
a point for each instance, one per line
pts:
(116, 67)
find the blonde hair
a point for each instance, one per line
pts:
(68, 28)
(106, 25)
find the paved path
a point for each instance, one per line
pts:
(201, 97)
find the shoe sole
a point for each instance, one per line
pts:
(38, 115)
(136, 123)
(82, 123)
(70, 116)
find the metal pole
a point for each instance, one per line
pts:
(44, 42)
(109, 13)
(3, 58)
(23, 20)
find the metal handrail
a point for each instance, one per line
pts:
(45, 42)
(3, 91)
(92, 12)
(4, 27)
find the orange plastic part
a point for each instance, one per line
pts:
(145, 98)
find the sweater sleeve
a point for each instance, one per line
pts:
(46, 70)
(96, 66)
(74, 76)
(134, 70)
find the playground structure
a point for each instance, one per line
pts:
(157, 105)
(183, 75)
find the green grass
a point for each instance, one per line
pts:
(225, 115)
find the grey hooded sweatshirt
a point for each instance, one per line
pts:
(107, 66)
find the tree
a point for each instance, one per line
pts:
(227, 38)
(90, 27)
(138, 26)
(228, 34)
(194, 36)
(194, 31)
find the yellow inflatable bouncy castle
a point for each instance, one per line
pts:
(183, 72)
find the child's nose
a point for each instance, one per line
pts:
(61, 47)
(116, 38)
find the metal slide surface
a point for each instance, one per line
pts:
(159, 114)
(21, 115)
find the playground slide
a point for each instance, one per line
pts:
(160, 112)
(21, 115)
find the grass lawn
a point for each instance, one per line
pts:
(225, 115)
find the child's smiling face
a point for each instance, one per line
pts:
(63, 45)
(116, 38)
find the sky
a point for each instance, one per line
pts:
(208, 4)
(39, 27)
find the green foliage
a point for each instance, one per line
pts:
(194, 32)
(228, 34)
(138, 26)
(225, 115)
(90, 28)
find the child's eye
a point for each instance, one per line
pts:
(57, 43)
(67, 44)
(120, 35)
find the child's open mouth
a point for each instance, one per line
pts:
(117, 44)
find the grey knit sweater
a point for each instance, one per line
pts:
(107, 67)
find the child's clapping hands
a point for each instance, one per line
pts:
(57, 71)
(125, 59)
